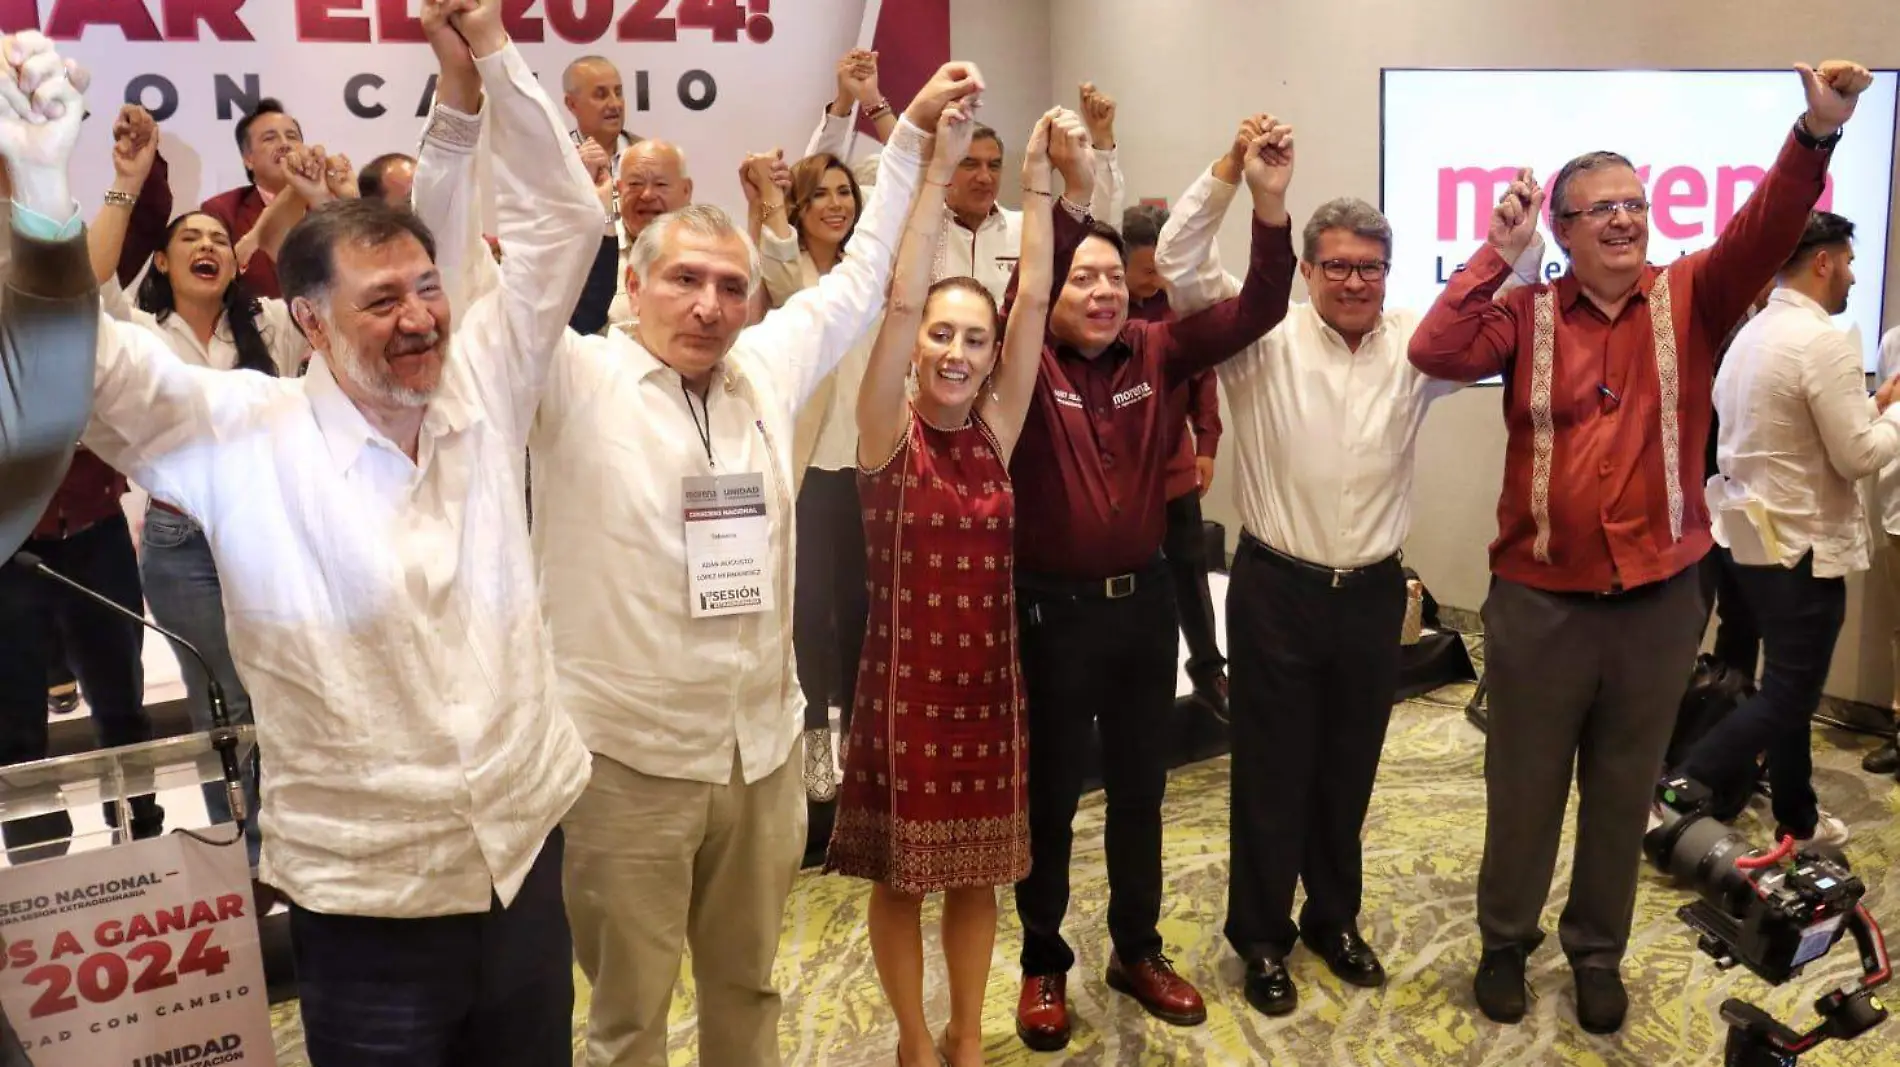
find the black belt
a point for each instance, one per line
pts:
(1337, 577)
(1118, 587)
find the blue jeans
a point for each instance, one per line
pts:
(181, 586)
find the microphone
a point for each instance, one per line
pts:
(223, 737)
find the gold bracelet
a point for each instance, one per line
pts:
(113, 196)
(1039, 192)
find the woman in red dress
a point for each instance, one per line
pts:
(933, 797)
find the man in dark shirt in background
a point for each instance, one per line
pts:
(1094, 597)
(1190, 468)
(265, 137)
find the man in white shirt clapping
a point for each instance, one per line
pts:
(369, 530)
(1797, 433)
(1327, 409)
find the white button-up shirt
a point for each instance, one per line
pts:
(384, 613)
(286, 343)
(651, 687)
(989, 252)
(1798, 430)
(1326, 434)
(1887, 484)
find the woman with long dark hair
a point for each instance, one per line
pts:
(797, 247)
(192, 299)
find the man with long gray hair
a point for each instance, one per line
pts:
(1595, 609)
(1327, 411)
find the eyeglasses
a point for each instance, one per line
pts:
(1338, 270)
(1605, 210)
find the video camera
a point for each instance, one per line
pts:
(1774, 914)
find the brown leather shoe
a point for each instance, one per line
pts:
(1154, 985)
(1042, 1014)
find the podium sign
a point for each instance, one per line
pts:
(146, 953)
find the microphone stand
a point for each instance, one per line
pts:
(223, 737)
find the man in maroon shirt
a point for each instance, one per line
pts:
(265, 137)
(1594, 613)
(1094, 597)
(1190, 469)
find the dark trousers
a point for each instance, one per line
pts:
(1801, 618)
(829, 603)
(488, 990)
(103, 650)
(1737, 637)
(1110, 665)
(1585, 686)
(1186, 549)
(1314, 673)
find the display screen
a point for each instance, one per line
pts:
(1453, 139)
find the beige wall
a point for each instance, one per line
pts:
(1185, 78)
(1009, 41)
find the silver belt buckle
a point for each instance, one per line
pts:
(1120, 586)
(1340, 576)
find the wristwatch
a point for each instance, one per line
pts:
(1808, 140)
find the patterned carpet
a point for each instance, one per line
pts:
(1423, 844)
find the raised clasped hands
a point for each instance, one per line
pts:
(766, 178)
(953, 81)
(1514, 220)
(304, 167)
(134, 144)
(1098, 114)
(1833, 90)
(956, 128)
(41, 106)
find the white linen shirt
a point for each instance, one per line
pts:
(1327, 435)
(285, 342)
(1798, 430)
(651, 687)
(989, 252)
(1887, 483)
(382, 612)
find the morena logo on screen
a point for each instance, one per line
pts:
(1685, 202)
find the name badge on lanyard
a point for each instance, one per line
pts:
(728, 545)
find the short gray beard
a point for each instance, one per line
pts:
(349, 362)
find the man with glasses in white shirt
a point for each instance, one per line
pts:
(1327, 409)
(1797, 434)
(369, 530)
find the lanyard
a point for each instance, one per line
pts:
(705, 431)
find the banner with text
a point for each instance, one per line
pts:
(144, 953)
(720, 78)
(1701, 140)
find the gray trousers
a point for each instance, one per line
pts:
(1591, 687)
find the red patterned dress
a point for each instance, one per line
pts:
(934, 792)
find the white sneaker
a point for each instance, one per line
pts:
(1829, 832)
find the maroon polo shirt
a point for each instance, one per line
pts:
(1200, 433)
(239, 209)
(1090, 470)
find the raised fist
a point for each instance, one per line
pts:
(1514, 220)
(1833, 91)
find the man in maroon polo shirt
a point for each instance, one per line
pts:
(1595, 613)
(1190, 469)
(265, 137)
(1094, 596)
